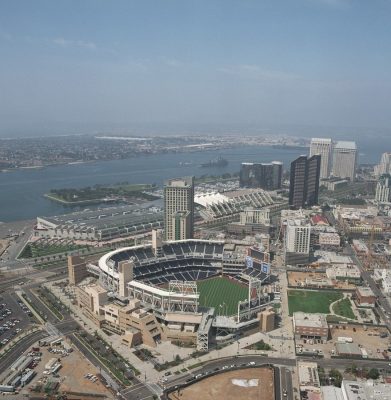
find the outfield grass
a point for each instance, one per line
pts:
(310, 301)
(216, 291)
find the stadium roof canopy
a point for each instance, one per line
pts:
(208, 199)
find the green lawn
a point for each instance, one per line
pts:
(344, 308)
(43, 248)
(311, 301)
(216, 291)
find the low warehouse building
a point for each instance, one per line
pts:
(351, 350)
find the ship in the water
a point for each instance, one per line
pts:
(218, 162)
(285, 146)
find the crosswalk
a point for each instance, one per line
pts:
(67, 327)
(141, 391)
(52, 330)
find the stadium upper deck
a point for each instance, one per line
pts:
(187, 260)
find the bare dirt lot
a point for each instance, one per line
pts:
(315, 279)
(222, 387)
(74, 379)
(368, 338)
(71, 375)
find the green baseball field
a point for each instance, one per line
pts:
(221, 293)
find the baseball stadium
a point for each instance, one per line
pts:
(196, 289)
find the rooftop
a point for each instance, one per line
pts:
(346, 145)
(207, 199)
(105, 218)
(319, 219)
(366, 390)
(330, 257)
(186, 181)
(348, 348)
(321, 140)
(365, 291)
(332, 393)
(310, 320)
(308, 374)
(94, 287)
(298, 222)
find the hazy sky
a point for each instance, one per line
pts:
(82, 66)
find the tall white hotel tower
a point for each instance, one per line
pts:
(179, 208)
(345, 160)
(385, 165)
(323, 147)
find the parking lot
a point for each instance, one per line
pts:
(14, 318)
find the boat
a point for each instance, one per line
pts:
(218, 162)
(288, 147)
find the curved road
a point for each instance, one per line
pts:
(286, 382)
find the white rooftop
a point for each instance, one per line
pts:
(368, 390)
(332, 393)
(210, 198)
(346, 145)
(310, 320)
(330, 257)
(320, 140)
(308, 374)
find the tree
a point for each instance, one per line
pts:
(322, 376)
(373, 373)
(336, 376)
(353, 369)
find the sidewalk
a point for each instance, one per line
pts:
(280, 339)
(354, 310)
(283, 351)
(28, 305)
(146, 368)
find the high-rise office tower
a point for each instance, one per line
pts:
(304, 181)
(322, 147)
(344, 160)
(313, 177)
(179, 208)
(383, 189)
(266, 176)
(385, 165)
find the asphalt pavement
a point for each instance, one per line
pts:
(286, 388)
(23, 233)
(25, 321)
(239, 363)
(19, 349)
(285, 373)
